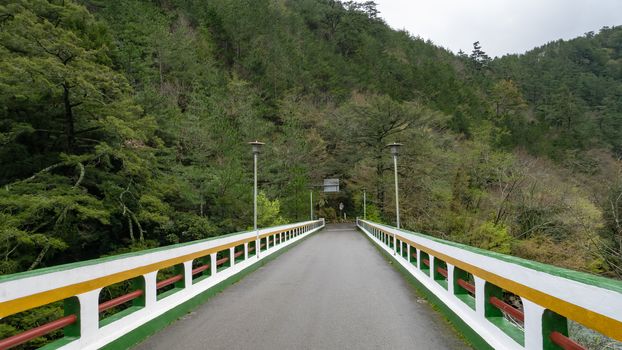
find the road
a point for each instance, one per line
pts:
(332, 291)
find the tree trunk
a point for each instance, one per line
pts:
(40, 257)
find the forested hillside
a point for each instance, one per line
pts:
(124, 126)
(574, 91)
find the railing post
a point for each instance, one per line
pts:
(187, 273)
(212, 263)
(480, 296)
(245, 251)
(533, 325)
(395, 246)
(151, 292)
(88, 314)
(450, 278)
(232, 255)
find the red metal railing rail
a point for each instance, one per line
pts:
(507, 308)
(42, 330)
(120, 300)
(222, 261)
(564, 342)
(169, 281)
(442, 271)
(200, 269)
(466, 285)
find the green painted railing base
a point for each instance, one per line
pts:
(58, 343)
(461, 327)
(148, 329)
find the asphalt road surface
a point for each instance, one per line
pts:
(332, 291)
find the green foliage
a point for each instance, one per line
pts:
(373, 214)
(574, 89)
(268, 211)
(490, 236)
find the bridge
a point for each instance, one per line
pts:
(316, 286)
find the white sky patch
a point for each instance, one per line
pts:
(501, 26)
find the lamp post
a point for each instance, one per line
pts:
(395, 151)
(256, 146)
(364, 204)
(311, 203)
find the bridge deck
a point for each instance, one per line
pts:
(333, 291)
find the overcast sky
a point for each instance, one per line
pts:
(501, 26)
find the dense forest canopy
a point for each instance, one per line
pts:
(124, 126)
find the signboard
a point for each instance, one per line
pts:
(331, 185)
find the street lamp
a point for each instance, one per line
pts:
(395, 151)
(256, 145)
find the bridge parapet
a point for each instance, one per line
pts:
(79, 284)
(477, 286)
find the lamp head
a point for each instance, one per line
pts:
(394, 148)
(256, 146)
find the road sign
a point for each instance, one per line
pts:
(331, 185)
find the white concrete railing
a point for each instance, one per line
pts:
(82, 282)
(471, 283)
